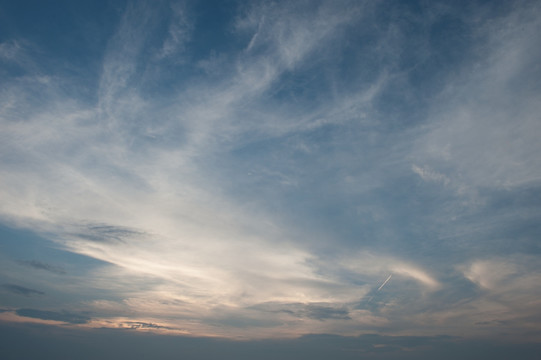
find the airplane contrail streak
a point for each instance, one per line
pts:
(385, 282)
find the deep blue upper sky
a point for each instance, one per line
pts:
(268, 170)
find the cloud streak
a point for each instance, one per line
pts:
(53, 315)
(385, 282)
(21, 290)
(43, 266)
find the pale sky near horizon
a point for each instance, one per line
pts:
(261, 171)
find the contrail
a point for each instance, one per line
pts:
(385, 282)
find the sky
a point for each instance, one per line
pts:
(230, 179)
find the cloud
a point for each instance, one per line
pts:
(107, 234)
(510, 278)
(427, 174)
(43, 266)
(21, 290)
(179, 32)
(324, 312)
(10, 50)
(63, 316)
(489, 273)
(272, 184)
(149, 207)
(480, 103)
(144, 325)
(373, 265)
(317, 311)
(417, 274)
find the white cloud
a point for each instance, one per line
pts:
(417, 274)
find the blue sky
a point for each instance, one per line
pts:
(263, 171)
